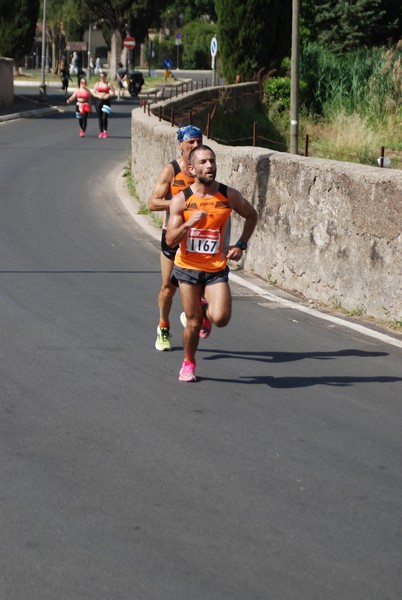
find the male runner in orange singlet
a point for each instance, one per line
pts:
(200, 223)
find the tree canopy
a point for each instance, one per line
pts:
(344, 25)
(252, 34)
(18, 20)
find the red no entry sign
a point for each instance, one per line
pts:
(129, 43)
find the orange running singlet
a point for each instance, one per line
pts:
(180, 182)
(203, 247)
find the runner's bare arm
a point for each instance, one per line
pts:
(157, 199)
(248, 212)
(72, 97)
(177, 228)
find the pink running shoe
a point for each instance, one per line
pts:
(105, 134)
(187, 371)
(100, 135)
(206, 323)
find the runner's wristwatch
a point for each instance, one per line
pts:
(241, 245)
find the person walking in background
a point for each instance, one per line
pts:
(103, 91)
(83, 107)
(121, 78)
(174, 177)
(199, 223)
(74, 64)
(65, 75)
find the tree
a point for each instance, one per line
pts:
(121, 17)
(181, 12)
(252, 34)
(308, 29)
(57, 14)
(18, 20)
(196, 44)
(345, 25)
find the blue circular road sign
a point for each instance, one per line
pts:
(214, 46)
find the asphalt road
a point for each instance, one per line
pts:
(276, 477)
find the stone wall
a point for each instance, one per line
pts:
(329, 230)
(7, 81)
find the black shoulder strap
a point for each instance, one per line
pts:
(223, 189)
(176, 166)
(187, 193)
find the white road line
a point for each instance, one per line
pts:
(315, 313)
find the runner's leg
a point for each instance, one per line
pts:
(191, 301)
(219, 298)
(167, 290)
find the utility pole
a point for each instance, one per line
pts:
(42, 87)
(89, 53)
(294, 78)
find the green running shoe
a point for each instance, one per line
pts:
(163, 339)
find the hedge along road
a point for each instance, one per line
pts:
(277, 475)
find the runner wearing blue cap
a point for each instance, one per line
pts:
(174, 177)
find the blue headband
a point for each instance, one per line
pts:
(189, 132)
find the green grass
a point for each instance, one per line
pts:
(143, 209)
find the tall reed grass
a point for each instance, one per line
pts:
(366, 81)
(351, 104)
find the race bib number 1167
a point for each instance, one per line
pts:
(204, 241)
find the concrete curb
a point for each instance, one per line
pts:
(132, 205)
(36, 112)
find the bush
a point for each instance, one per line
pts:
(277, 93)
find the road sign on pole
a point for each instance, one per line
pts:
(214, 46)
(178, 43)
(129, 43)
(214, 50)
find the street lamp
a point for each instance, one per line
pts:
(42, 87)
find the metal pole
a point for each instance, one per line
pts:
(306, 140)
(89, 53)
(382, 153)
(42, 87)
(294, 78)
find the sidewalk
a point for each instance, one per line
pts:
(28, 104)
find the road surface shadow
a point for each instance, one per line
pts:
(281, 357)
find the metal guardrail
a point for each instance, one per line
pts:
(169, 90)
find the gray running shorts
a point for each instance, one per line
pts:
(194, 277)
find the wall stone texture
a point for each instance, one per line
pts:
(7, 81)
(328, 230)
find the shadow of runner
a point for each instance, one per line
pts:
(299, 382)
(282, 357)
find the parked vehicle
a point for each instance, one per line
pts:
(136, 81)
